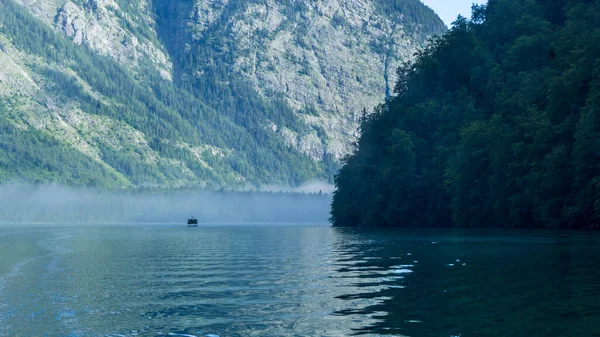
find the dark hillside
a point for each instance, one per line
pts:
(496, 124)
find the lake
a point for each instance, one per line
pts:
(266, 280)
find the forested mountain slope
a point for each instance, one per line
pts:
(195, 92)
(497, 124)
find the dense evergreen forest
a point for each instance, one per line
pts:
(495, 124)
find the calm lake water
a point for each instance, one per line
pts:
(296, 281)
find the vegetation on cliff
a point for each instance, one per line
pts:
(193, 93)
(166, 114)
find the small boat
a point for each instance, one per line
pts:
(192, 222)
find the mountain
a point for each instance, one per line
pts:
(496, 124)
(210, 93)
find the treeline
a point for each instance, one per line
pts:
(417, 16)
(495, 124)
(165, 112)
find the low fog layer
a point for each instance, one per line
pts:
(312, 186)
(57, 204)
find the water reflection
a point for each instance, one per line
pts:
(468, 284)
(296, 281)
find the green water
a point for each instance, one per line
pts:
(296, 281)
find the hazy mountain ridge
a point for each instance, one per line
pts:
(264, 83)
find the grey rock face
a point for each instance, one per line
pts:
(204, 14)
(336, 57)
(70, 20)
(104, 27)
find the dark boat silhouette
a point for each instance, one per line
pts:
(192, 222)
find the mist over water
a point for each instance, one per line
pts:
(311, 186)
(21, 203)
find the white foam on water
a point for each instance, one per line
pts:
(450, 265)
(402, 271)
(182, 334)
(413, 321)
(212, 335)
(408, 253)
(15, 271)
(403, 266)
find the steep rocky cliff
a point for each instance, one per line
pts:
(105, 27)
(329, 59)
(201, 92)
